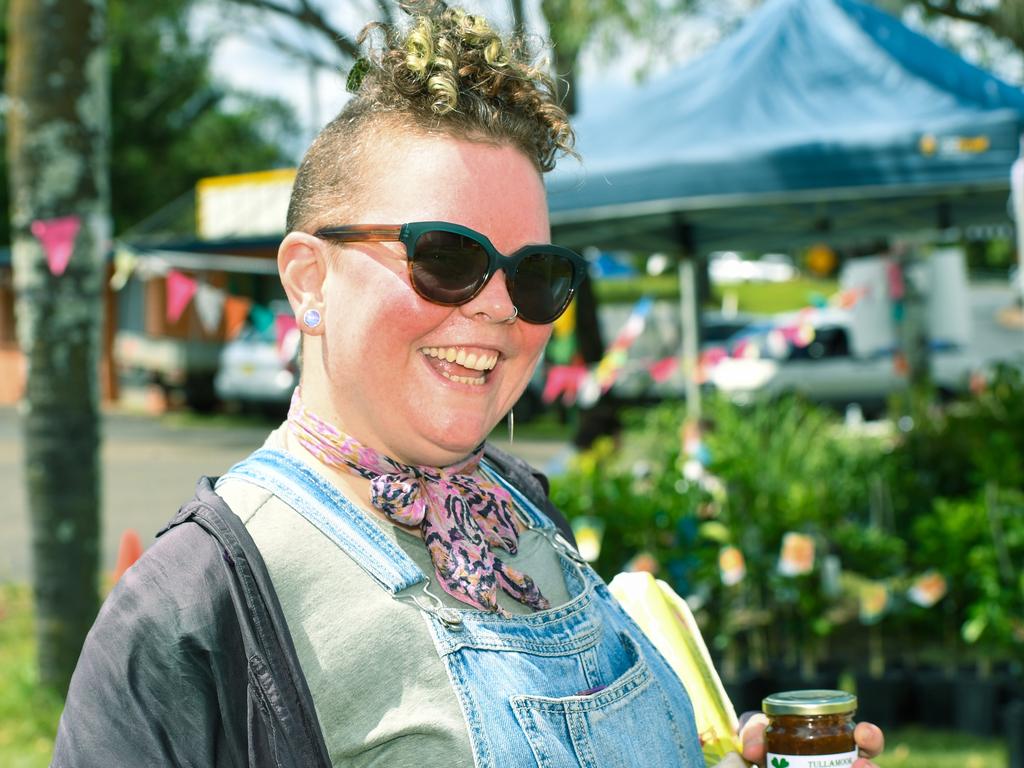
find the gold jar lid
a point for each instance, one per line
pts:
(811, 702)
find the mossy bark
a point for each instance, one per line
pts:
(57, 149)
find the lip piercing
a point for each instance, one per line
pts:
(311, 318)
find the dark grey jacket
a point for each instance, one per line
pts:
(190, 662)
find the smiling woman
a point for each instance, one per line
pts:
(376, 585)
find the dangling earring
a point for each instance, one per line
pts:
(511, 427)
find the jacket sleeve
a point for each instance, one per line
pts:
(151, 685)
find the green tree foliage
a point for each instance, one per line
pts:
(172, 122)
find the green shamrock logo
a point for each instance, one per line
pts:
(779, 762)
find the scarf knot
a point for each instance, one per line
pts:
(462, 515)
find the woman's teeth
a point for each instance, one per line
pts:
(476, 381)
(471, 360)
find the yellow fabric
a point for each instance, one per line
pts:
(667, 621)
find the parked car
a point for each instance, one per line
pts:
(252, 372)
(763, 363)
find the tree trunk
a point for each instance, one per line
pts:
(57, 148)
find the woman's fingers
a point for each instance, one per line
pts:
(752, 737)
(870, 740)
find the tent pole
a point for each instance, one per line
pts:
(690, 319)
(1017, 196)
(689, 313)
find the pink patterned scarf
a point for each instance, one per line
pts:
(462, 515)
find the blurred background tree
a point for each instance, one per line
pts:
(58, 134)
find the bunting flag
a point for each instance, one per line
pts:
(589, 391)
(288, 337)
(180, 289)
(57, 236)
(848, 299)
(927, 589)
(236, 312)
(663, 370)
(731, 566)
(262, 319)
(897, 288)
(562, 346)
(563, 381)
(777, 343)
(614, 360)
(125, 261)
(797, 556)
(209, 304)
(800, 335)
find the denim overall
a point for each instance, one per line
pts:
(576, 686)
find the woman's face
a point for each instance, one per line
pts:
(383, 377)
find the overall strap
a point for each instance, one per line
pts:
(323, 505)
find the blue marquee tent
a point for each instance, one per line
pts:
(818, 119)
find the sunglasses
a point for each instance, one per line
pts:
(450, 264)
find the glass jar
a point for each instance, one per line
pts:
(810, 729)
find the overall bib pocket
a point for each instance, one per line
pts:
(627, 724)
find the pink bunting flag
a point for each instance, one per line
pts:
(564, 381)
(288, 336)
(180, 290)
(662, 370)
(895, 275)
(57, 236)
(712, 356)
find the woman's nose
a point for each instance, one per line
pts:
(493, 303)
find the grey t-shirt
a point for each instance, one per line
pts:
(381, 692)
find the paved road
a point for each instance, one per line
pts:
(150, 467)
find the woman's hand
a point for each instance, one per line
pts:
(870, 740)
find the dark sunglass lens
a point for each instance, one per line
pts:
(447, 267)
(542, 286)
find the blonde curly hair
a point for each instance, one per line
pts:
(446, 72)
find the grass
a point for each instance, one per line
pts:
(28, 715)
(918, 748)
(769, 298)
(755, 298)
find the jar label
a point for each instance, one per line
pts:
(844, 760)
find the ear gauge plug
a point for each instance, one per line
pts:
(311, 318)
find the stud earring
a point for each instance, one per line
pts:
(311, 318)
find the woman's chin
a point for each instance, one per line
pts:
(456, 442)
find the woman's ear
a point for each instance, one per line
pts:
(302, 265)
